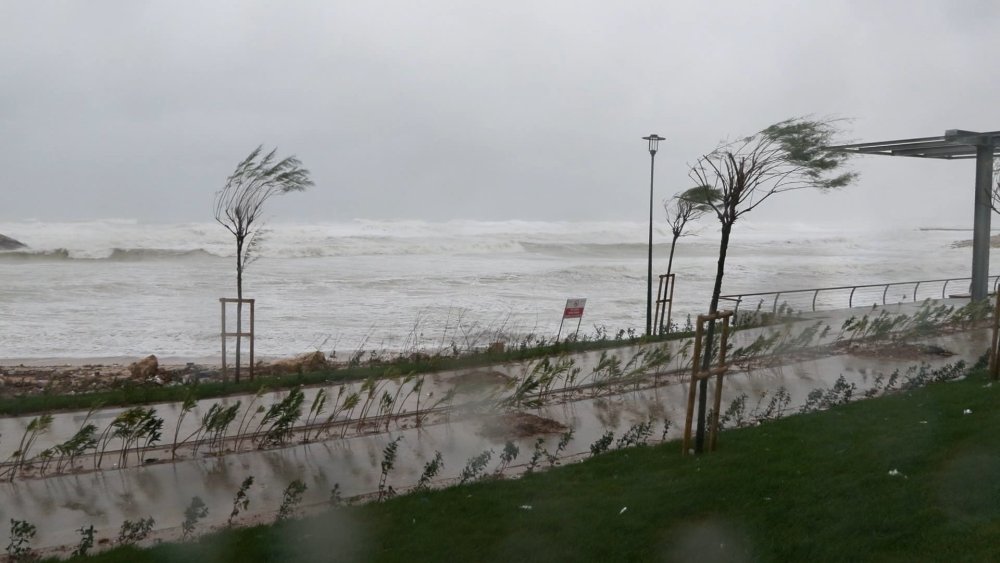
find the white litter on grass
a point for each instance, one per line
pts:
(894, 473)
(622, 511)
(923, 422)
(967, 411)
(525, 507)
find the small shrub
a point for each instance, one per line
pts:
(637, 435)
(775, 407)
(475, 467)
(336, 498)
(602, 444)
(290, 499)
(133, 532)
(431, 469)
(508, 455)
(21, 534)
(241, 501)
(564, 440)
(388, 462)
(86, 542)
(536, 456)
(735, 413)
(192, 514)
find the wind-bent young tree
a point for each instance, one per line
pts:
(239, 207)
(737, 177)
(680, 211)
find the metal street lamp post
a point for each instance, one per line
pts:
(654, 140)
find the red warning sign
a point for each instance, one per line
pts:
(574, 308)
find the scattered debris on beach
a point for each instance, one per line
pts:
(22, 380)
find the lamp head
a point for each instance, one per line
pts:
(654, 141)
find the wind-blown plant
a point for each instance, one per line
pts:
(475, 467)
(186, 407)
(350, 403)
(239, 207)
(216, 422)
(416, 387)
(316, 409)
(21, 534)
(602, 444)
(247, 419)
(507, 456)
(194, 512)
(771, 345)
(280, 419)
(137, 428)
(290, 499)
(840, 394)
(86, 542)
(241, 501)
(536, 455)
(134, 532)
(431, 469)
(83, 440)
(336, 495)
(564, 440)
(388, 463)
(37, 426)
(637, 435)
(666, 429)
(737, 177)
(679, 212)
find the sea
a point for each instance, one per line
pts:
(118, 289)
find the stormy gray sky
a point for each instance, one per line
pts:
(483, 110)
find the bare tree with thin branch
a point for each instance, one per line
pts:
(240, 205)
(737, 177)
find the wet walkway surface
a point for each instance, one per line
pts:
(60, 504)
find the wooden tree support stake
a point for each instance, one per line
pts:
(697, 375)
(238, 334)
(664, 303)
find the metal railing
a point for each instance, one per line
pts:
(852, 293)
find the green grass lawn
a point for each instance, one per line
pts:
(813, 487)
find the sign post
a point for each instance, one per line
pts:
(573, 310)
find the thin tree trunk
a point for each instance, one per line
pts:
(670, 265)
(699, 441)
(673, 245)
(239, 303)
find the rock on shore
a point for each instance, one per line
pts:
(7, 243)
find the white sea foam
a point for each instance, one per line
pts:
(120, 287)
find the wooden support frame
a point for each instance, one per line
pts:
(697, 375)
(664, 301)
(225, 334)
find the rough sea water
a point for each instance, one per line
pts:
(118, 289)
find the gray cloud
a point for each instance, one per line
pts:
(440, 110)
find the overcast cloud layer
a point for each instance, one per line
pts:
(481, 110)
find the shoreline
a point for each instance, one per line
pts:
(109, 361)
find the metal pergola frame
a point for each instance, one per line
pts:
(955, 144)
